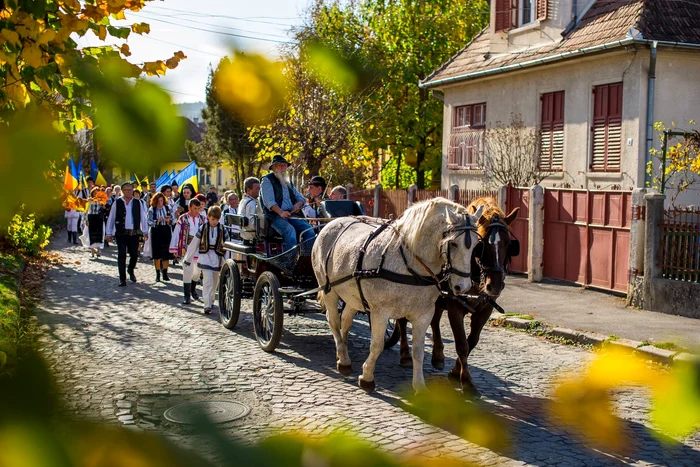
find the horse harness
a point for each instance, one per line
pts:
(414, 278)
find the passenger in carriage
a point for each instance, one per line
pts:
(249, 205)
(339, 192)
(280, 200)
(317, 194)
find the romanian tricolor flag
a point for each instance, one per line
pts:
(70, 180)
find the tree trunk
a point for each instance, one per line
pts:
(398, 172)
(314, 166)
(420, 173)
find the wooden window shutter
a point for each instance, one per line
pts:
(552, 128)
(542, 10)
(606, 130)
(504, 19)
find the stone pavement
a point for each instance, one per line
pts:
(125, 355)
(571, 306)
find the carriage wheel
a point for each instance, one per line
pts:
(229, 294)
(268, 311)
(392, 334)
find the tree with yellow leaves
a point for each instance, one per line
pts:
(680, 169)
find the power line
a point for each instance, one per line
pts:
(146, 36)
(251, 19)
(178, 92)
(242, 36)
(219, 26)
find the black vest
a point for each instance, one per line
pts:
(120, 218)
(279, 197)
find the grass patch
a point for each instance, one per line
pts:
(12, 331)
(527, 317)
(612, 338)
(666, 346)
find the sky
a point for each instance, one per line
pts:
(206, 30)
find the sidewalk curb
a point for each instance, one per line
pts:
(666, 357)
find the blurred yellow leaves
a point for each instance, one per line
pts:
(141, 28)
(155, 68)
(328, 67)
(583, 400)
(251, 87)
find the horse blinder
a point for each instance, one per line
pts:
(513, 248)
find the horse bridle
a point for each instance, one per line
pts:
(460, 230)
(512, 250)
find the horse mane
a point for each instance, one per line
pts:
(491, 210)
(430, 216)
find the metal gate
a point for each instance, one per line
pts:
(587, 237)
(519, 197)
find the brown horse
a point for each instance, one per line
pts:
(490, 261)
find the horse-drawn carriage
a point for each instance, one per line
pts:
(278, 281)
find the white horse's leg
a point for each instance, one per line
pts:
(379, 323)
(346, 319)
(330, 300)
(420, 327)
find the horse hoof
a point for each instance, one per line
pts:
(406, 362)
(344, 370)
(452, 376)
(367, 386)
(438, 364)
(471, 392)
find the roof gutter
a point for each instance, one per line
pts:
(555, 58)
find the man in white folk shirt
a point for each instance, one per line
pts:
(207, 249)
(127, 220)
(249, 206)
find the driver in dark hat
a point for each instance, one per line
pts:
(280, 199)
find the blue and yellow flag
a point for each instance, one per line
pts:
(188, 175)
(70, 181)
(96, 174)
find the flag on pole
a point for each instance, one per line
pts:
(96, 174)
(70, 180)
(188, 175)
(81, 175)
(163, 180)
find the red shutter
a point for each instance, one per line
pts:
(542, 9)
(552, 127)
(504, 20)
(606, 130)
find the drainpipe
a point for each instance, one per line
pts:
(650, 109)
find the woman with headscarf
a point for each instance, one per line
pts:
(186, 194)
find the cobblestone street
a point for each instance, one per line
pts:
(124, 355)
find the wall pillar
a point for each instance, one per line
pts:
(535, 246)
(377, 193)
(636, 261)
(412, 194)
(652, 245)
(502, 198)
(454, 189)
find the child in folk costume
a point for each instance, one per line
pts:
(186, 227)
(72, 218)
(208, 245)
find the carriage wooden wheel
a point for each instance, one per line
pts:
(230, 298)
(268, 311)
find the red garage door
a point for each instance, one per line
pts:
(587, 237)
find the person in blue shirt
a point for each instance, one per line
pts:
(281, 200)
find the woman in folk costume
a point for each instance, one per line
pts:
(94, 221)
(159, 220)
(72, 218)
(185, 229)
(208, 249)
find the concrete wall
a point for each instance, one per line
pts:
(520, 92)
(675, 297)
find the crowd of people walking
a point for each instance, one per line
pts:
(171, 224)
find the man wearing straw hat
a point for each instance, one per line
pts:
(280, 200)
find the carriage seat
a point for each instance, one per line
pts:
(341, 208)
(265, 229)
(236, 247)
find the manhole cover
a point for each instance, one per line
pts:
(217, 412)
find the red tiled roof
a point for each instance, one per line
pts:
(605, 22)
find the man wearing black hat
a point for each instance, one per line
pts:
(280, 199)
(317, 193)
